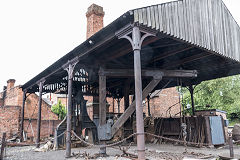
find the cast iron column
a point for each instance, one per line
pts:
(136, 41)
(192, 99)
(138, 93)
(39, 113)
(22, 117)
(69, 69)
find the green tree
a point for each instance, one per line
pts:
(59, 109)
(222, 93)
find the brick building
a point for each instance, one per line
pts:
(10, 113)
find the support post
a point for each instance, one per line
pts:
(118, 102)
(22, 116)
(40, 84)
(70, 69)
(231, 146)
(3, 145)
(126, 93)
(191, 90)
(148, 102)
(102, 104)
(136, 41)
(138, 93)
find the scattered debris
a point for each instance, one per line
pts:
(127, 154)
(46, 147)
(86, 155)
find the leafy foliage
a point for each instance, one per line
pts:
(60, 110)
(220, 94)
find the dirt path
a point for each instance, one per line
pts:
(165, 151)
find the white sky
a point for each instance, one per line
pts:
(36, 33)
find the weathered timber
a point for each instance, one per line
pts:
(171, 53)
(39, 113)
(102, 97)
(191, 90)
(70, 70)
(186, 60)
(151, 73)
(22, 116)
(3, 146)
(129, 111)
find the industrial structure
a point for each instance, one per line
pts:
(180, 43)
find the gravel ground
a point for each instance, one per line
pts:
(165, 151)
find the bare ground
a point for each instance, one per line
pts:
(163, 151)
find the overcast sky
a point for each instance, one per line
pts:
(36, 33)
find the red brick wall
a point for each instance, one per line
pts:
(31, 109)
(10, 120)
(160, 104)
(47, 127)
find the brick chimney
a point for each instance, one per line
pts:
(94, 16)
(10, 83)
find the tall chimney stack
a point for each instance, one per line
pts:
(94, 16)
(10, 83)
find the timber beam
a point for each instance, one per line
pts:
(129, 111)
(150, 73)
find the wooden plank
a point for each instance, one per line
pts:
(208, 131)
(186, 60)
(171, 53)
(129, 111)
(102, 98)
(150, 73)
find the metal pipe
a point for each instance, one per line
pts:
(69, 112)
(138, 93)
(22, 117)
(39, 114)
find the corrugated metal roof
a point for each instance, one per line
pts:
(192, 34)
(204, 23)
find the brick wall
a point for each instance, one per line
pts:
(10, 120)
(10, 114)
(159, 105)
(47, 127)
(31, 109)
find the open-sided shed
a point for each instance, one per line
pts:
(184, 41)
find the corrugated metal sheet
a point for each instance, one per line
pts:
(216, 130)
(205, 23)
